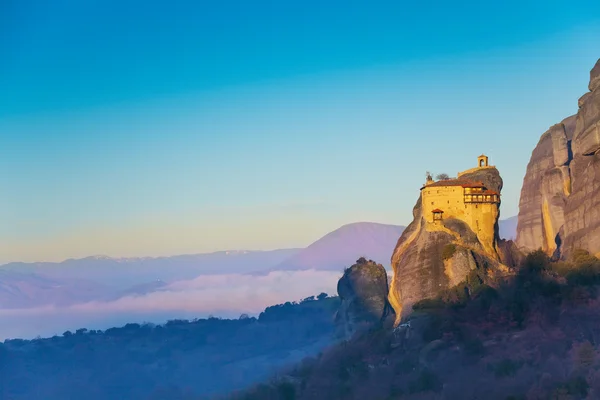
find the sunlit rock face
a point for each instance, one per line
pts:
(546, 186)
(559, 209)
(454, 232)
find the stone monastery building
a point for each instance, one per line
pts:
(463, 199)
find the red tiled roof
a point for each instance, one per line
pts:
(456, 182)
(473, 185)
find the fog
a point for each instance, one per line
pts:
(226, 296)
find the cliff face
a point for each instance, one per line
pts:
(363, 293)
(559, 209)
(428, 260)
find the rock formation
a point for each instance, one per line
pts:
(559, 209)
(435, 254)
(363, 291)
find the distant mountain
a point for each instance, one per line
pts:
(123, 273)
(508, 228)
(23, 290)
(342, 247)
(101, 278)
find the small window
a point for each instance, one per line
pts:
(432, 203)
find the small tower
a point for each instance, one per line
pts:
(482, 161)
(437, 215)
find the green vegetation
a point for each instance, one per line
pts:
(180, 359)
(448, 251)
(525, 322)
(427, 381)
(506, 367)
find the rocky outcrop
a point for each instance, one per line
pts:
(546, 186)
(559, 209)
(363, 291)
(595, 77)
(427, 261)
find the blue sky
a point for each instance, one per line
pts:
(134, 128)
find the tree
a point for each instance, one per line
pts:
(322, 296)
(442, 177)
(310, 298)
(428, 176)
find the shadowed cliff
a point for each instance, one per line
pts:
(363, 291)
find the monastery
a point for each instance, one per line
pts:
(463, 199)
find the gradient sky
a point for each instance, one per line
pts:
(134, 128)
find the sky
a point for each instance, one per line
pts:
(132, 128)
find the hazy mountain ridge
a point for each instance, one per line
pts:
(104, 278)
(342, 247)
(508, 228)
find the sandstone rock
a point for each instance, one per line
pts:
(586, 140)
(583, 99)
(559, 208)
(426, 261)
(546, 185)
(509, 253)
(595, 77)
(363, 291)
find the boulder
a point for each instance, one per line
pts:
(363, 291)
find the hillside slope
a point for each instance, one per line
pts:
(342, 247)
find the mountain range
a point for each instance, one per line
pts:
(102, 278)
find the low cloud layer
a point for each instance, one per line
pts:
(221, 295)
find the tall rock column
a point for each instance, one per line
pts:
(433, 256)
(546, 186)
(559, 209)
(582, 213)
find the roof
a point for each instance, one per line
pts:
(437, 210)
(456, 182)
(483, 155)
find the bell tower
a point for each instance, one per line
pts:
(482, 161)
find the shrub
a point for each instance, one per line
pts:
(429, 304)
(534, 264)
(474, 347)
(287, 391)
(584, 354)
(506, 367)
(427, 381)
(448, 251)
(576, 386)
